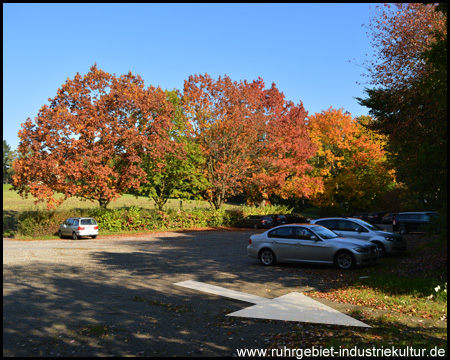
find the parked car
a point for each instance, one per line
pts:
(296, 219)
(406, 222)
(306, 243)
(362, 216)
(78, 227)
(256, 222)
(375, 217)
(388, 218)
(387, 242)
(278, 219)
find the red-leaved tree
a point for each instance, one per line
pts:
(281, 167)
(88, 142)
(227, 121)
(399, 34)
(255, 141)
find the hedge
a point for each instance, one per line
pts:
(46, 223)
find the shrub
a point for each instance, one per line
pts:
(41, 223)
(9, 223)
(46, 223)
(264, 210)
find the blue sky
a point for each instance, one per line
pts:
(303, 48)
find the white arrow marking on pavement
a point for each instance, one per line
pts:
(291, 307)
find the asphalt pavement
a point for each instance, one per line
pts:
(115, 295)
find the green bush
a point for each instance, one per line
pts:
(264, 210)
(41, 223)
(185, 219)
(126, 219)
(9, 223)
(46, 223)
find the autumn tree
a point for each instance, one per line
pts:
(351, 160)
(87, 142)
(409, 97)
(253, 139)
(178, 173)
(399, 34)
(227, 121)
(281, 166)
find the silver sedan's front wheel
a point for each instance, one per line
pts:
(344, 260)
(267, 257)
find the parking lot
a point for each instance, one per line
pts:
(115, 295)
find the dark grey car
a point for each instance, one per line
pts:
(406, 222)
(256, 222)
(387, 242)
(278, 219)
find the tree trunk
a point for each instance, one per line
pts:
(103, 203)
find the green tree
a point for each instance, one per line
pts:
(409, 101)
(178, 173)
(6, 164)
(9, 156)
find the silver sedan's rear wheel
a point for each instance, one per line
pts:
(267, 257)
(344, 260)
(74, 236)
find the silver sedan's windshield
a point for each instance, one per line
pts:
(325, 233)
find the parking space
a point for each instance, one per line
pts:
(116, 295)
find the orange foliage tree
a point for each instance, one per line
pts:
(399, 34)
(281, 167)
(255, 142)
(351, 160)
(227, 120)
(88, 142)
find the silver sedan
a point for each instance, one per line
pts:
(307, 243)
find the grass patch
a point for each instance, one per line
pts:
(388, 332)
(394, 284)
(400, 285)
(14, 202)
(378, 299)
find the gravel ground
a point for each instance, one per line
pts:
(115, 296)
